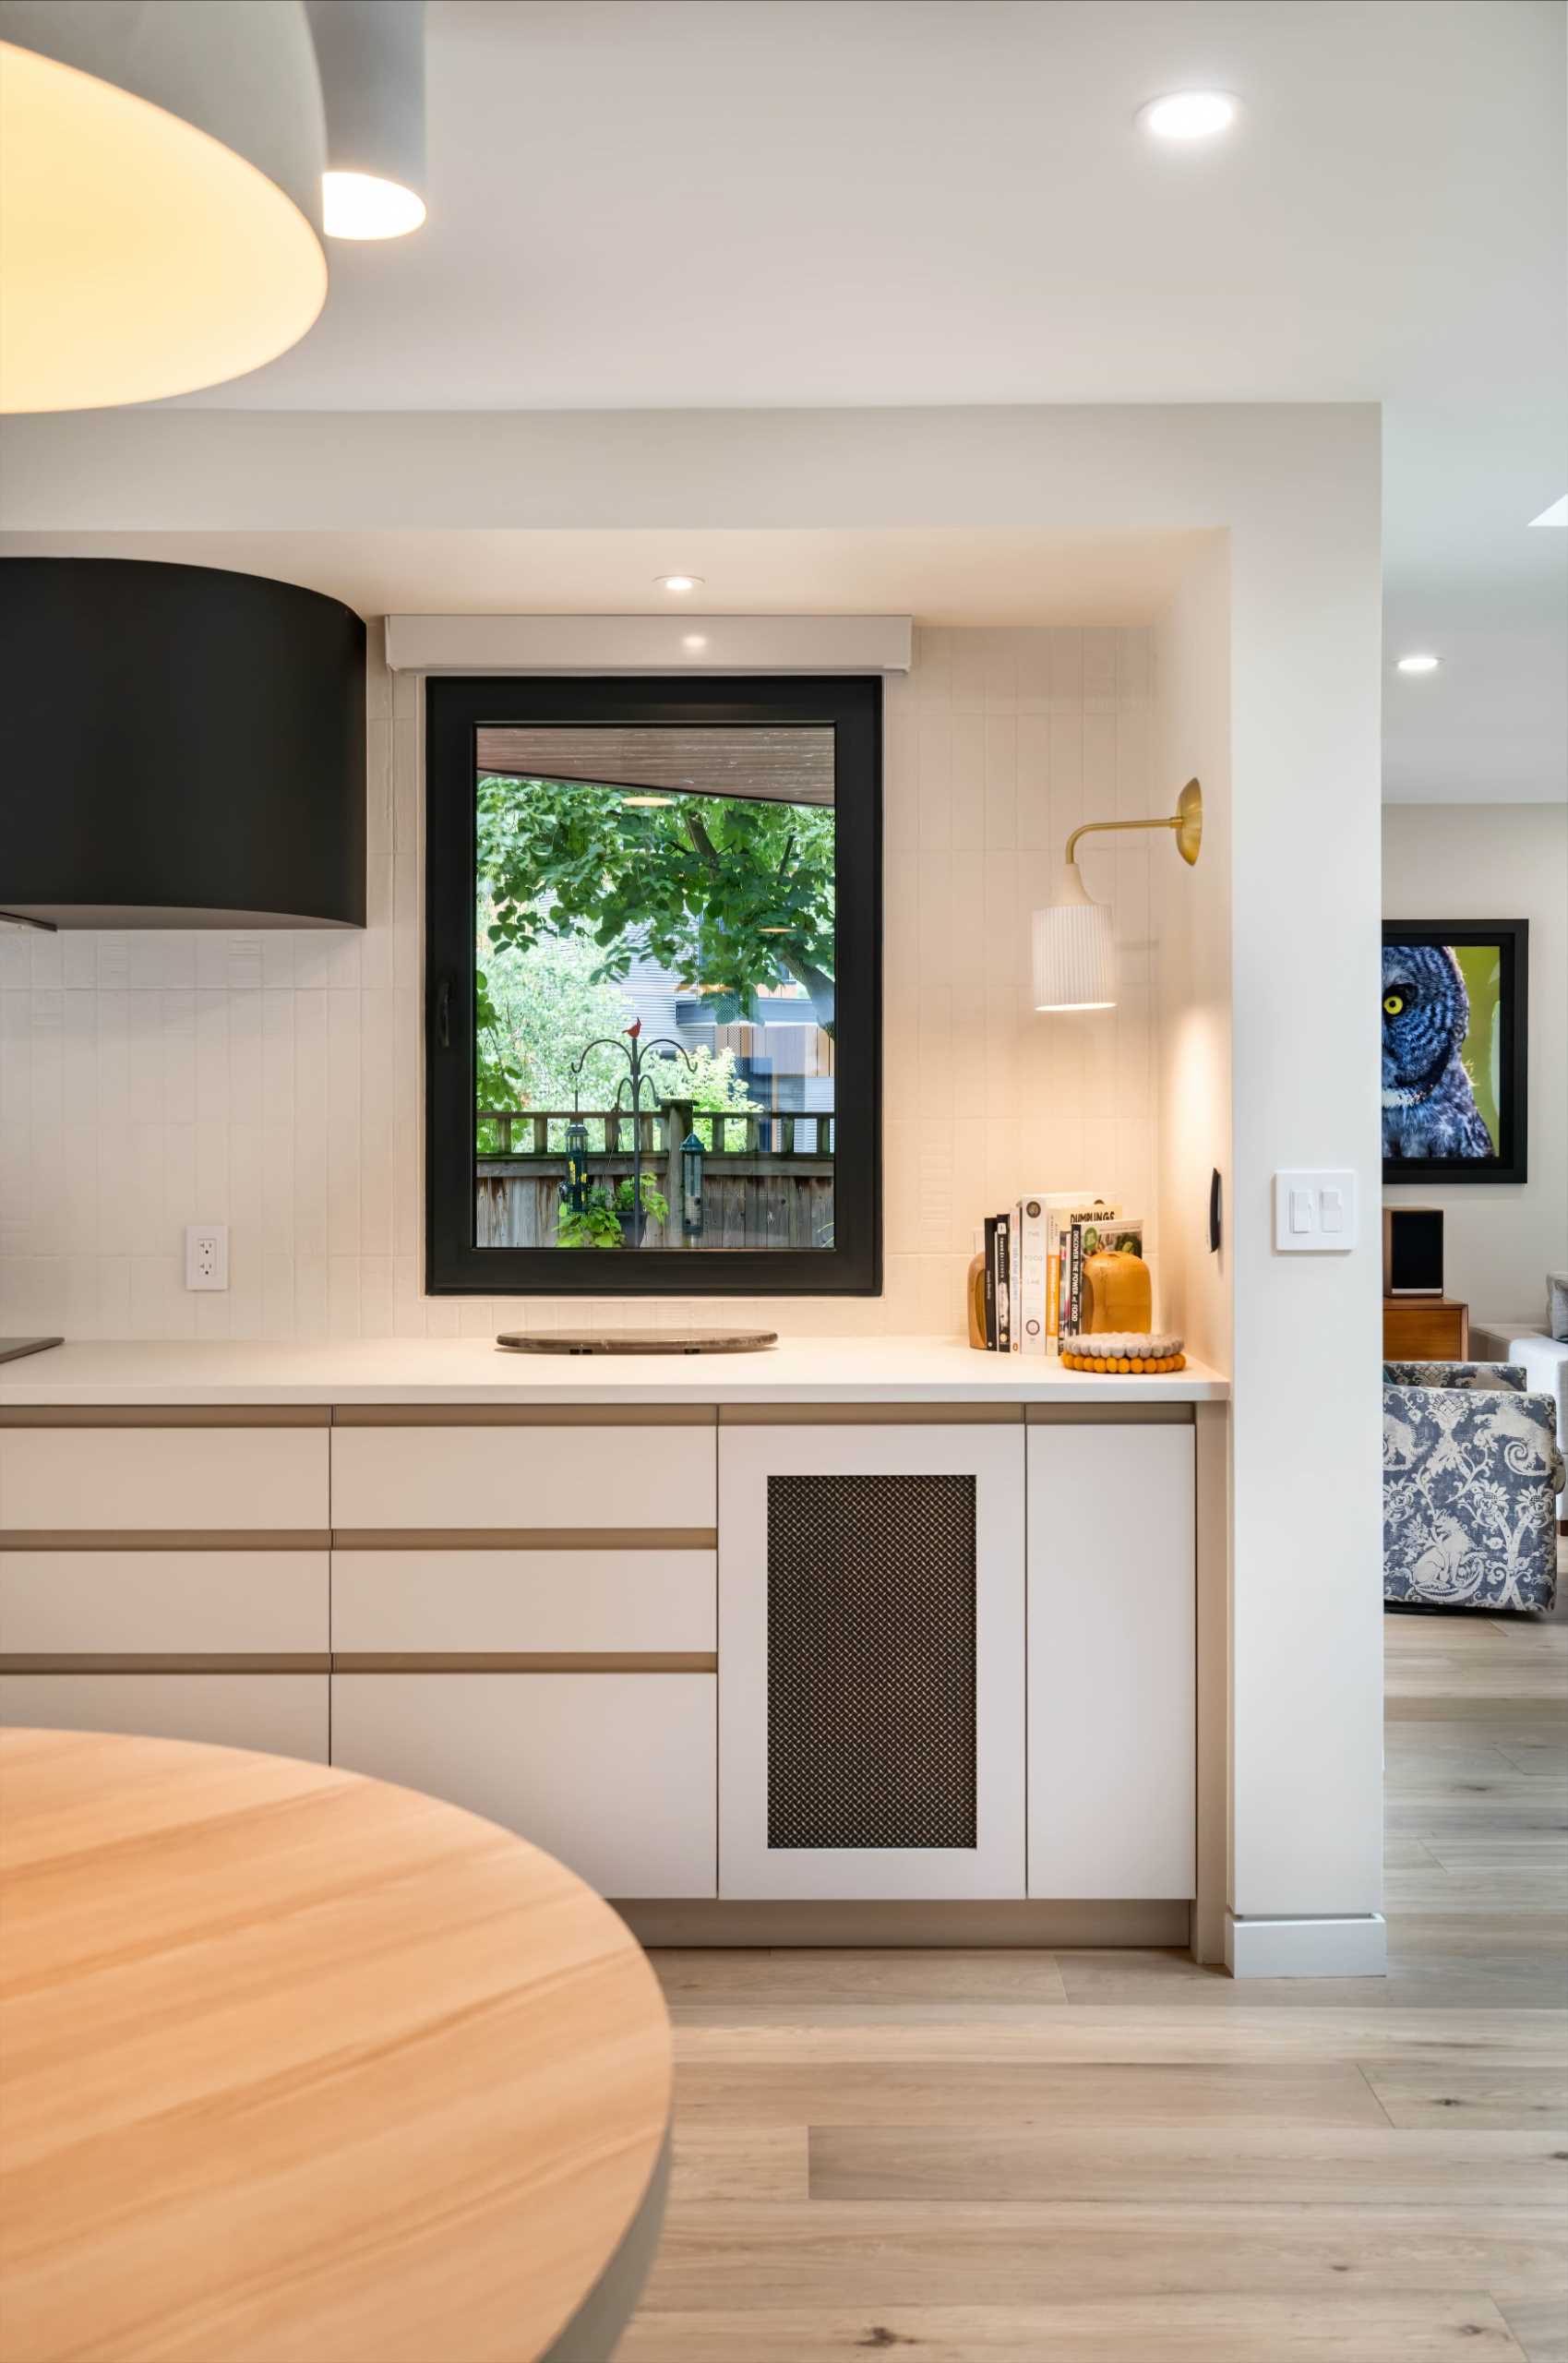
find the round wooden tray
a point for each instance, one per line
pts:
(637, 1341)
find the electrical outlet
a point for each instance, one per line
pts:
(207, 1255)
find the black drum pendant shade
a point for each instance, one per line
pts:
(179, 747)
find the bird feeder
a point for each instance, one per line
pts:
(574, 1189)
(691, 1182)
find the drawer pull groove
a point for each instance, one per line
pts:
(525, 1538)
(524, 1662)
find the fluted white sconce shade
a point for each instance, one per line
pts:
(1074, 949)
(1074, 936)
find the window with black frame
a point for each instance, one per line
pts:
(653, 939)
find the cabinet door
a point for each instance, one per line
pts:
(872, 1662)
(611, 1772)
(1112, 1667)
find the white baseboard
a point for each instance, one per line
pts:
(1315, 1948)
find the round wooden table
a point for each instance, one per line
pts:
(299, 2067)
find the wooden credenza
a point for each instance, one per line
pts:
(1425, 1329)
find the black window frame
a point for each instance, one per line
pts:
(456, 708)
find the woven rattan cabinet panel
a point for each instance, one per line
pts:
(870, 1679)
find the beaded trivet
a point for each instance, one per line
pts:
(1124, 1350)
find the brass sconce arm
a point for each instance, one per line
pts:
(1187, 821)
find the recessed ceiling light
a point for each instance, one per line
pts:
(695, 640)
(645, 803)
(1418, 663)
(1189, 114)
(678, 582)
(1556, 515)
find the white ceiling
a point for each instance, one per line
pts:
(711, 202)
(687, 203)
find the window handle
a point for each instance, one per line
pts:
(444, 1014)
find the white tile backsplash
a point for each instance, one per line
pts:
(272, 1080)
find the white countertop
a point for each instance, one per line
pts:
(474, 1369)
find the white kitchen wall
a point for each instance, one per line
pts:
(1498, 861)
(272, 1080)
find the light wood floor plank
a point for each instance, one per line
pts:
(1535, 1755)
(881, 2093)
(1533, 1815)
(1134, 2166)
(1335, 2327)
(1414, 2094)
(1505, 1887)
(1429, 1788)
(1501, 1851)
(1531, 2040)
(1406, 1853)
(862, 2252)
(1129, 1980)
(1538, 1719)
(1488, 1935)
(738, 2162)
(1540, 2326)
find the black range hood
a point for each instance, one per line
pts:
(179, 748)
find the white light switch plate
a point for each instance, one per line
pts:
(1314, 1212)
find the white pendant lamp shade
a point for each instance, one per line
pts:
(371, 53)
(1074, 949)
(160, 192)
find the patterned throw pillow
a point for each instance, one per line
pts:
(1557, 1304)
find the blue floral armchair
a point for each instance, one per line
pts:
(1471, 1472)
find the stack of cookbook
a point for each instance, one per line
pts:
(1035, 1257)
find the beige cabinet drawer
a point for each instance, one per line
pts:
(523, 1478)
(161, 1602)
(609, 1600)
(613, 1773)
(280, 1714)
(79, 1480)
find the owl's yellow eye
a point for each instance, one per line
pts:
(1394, 1004)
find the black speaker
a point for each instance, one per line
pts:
(1412, 1251)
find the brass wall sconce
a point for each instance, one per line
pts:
(1074, 940)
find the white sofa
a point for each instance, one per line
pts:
(1544, 1360)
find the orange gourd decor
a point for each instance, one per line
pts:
(1120, 1298)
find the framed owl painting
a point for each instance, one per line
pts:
(1454, 1026)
